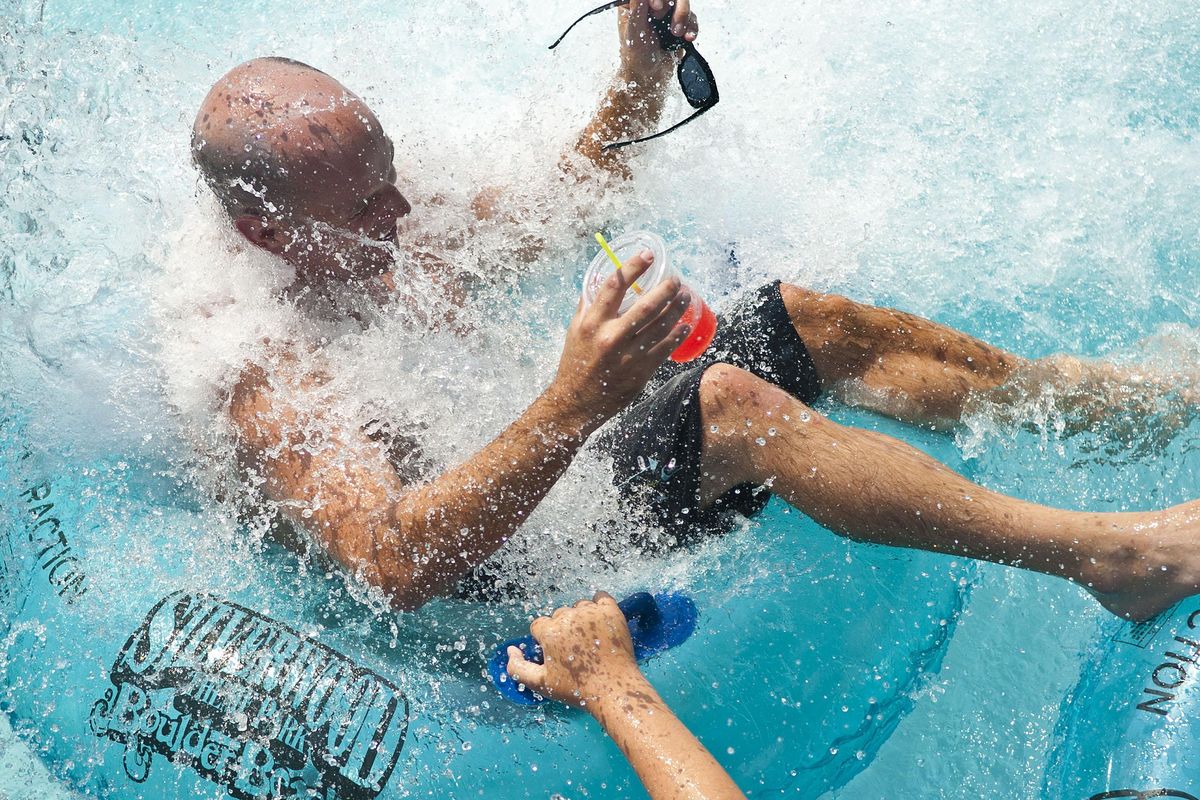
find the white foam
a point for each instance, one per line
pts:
(1029, 176)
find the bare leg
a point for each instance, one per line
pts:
(894, 363)
(875, 488)
(1141, 408)
(925, 373)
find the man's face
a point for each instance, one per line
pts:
(338, 220)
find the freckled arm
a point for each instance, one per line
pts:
(413, 542)
(671, 762)
(589, 663)
(416, 542)
(630, 108)
(634, 101)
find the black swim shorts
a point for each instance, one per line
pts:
(655, 443)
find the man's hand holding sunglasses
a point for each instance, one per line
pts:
(643, 58)
(656, 38)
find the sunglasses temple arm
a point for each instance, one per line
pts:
(676, 126)
(599, 10)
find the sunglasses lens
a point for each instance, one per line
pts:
(694, 80)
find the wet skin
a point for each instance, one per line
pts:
(337, 200)
(588, 663)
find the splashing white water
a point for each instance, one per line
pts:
(1029, 177)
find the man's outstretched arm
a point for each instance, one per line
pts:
(631, 107)
(633, 103)
(589, 664)
(415, 543)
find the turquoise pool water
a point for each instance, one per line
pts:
(1029, 177)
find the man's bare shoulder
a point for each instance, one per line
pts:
(278, 402)
(250, 405)
(262, 400)
(488, 203)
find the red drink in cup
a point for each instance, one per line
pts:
(698, 315)
(704, 328)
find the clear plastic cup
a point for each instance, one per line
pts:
(698, 314)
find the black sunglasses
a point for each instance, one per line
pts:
(695, 77)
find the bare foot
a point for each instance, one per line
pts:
(1156, 568)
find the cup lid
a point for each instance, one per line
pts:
(626, 246)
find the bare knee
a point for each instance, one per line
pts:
(738, 407)
(729, 394)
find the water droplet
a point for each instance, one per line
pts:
(771, 431)
(760, 441)
(805, 416)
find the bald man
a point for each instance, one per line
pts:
(304, 171)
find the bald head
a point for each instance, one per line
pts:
(295, 156)
(273, 135)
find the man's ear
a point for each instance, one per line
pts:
(260, 232)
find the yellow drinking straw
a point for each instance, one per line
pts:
(613, 257)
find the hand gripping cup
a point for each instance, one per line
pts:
(698, 314)
(657, 622)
